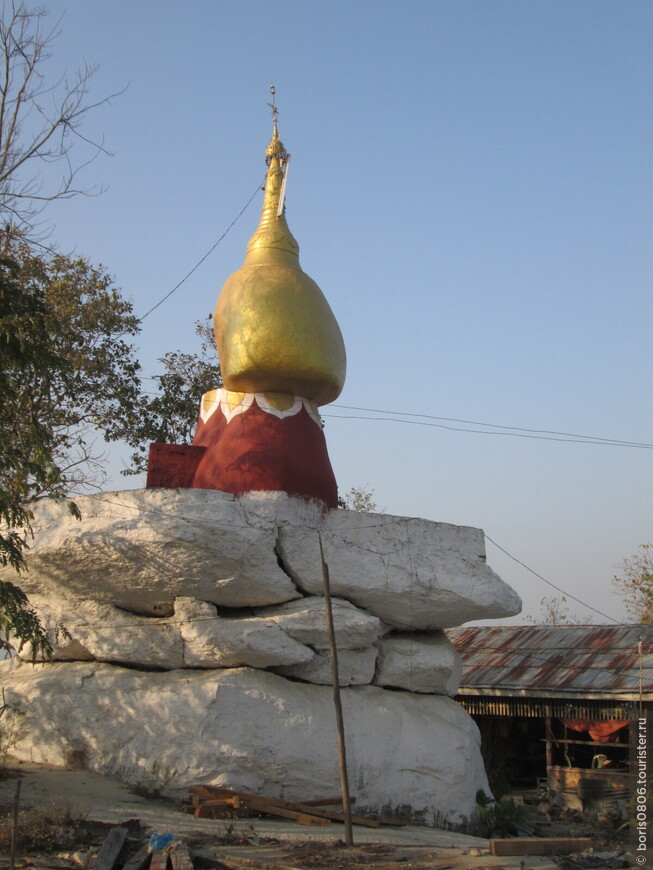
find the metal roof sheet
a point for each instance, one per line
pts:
(592, 659)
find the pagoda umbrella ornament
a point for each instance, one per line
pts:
(282, 356)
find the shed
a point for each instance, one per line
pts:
(558, 705)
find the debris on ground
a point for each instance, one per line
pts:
(211, 802)
(539, 845)
(595, 859)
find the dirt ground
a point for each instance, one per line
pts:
(65, 815)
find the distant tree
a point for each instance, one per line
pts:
(170, 416)
(554, 611)
(358, 499)
(635, 583)
(40, 119)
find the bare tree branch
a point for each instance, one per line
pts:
(40, 122)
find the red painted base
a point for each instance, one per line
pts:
(256, 451)
(172, 466)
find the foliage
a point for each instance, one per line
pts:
(44, 829)
(9, 733)
(61, 323)
(65, 373)
(73, 372)
(554, 611)
(501, 818)
(635, 583)
(170, 416)
(358, 499)
(40, 121)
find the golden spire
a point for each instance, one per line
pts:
(273, 234)
(274, 330)
(275, 148)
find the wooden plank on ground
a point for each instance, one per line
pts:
(302, 818)
(234, 801)
(222, 811)
(334, 815)
(232, 862)
(326, 802)
(159, 860)
(110, 849)
(210, 797)
(214, 791)
(211, 791)
(180, 858)
(537, 846)
(138, 860)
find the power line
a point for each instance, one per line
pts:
(199, 263)
(494, 425)
(582, 439)
(549, 583)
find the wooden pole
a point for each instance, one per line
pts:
(342, 752)
(641, 677)
(549, 747)
(14, 829)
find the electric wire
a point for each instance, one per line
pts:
(199, 263)
(514, 434)
(493, 425)
(549, 583)
(517, 431)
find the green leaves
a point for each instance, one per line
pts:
(66, 371)
(170, 416)
(19, 624)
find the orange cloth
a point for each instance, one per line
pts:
(600, 730)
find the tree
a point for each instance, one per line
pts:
(358, 499)
(91, 383)
(66, 374)
(554, 611)
(635, 583)
(40, 122)
(170, 416)
(25, 355)
(61, 322)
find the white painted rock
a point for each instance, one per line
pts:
(419, 663)
(107, 634)
(213, 642)
(305, 620)
(251, 730)
(412, 573)
(193, 637)
(139, 549)
(355, 668)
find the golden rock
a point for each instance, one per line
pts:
(274, 329)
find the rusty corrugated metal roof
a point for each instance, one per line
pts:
(597, 660)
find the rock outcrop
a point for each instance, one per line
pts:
(195, 646)
(417, 755)
(140, 549)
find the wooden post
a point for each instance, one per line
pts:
(342, 753)
(549, 748)
(14, 829)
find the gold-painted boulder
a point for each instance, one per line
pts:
(274, 329)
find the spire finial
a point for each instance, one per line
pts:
(273, 231)
(272, 105)
(275, 148)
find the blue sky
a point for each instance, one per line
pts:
(471, 187)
